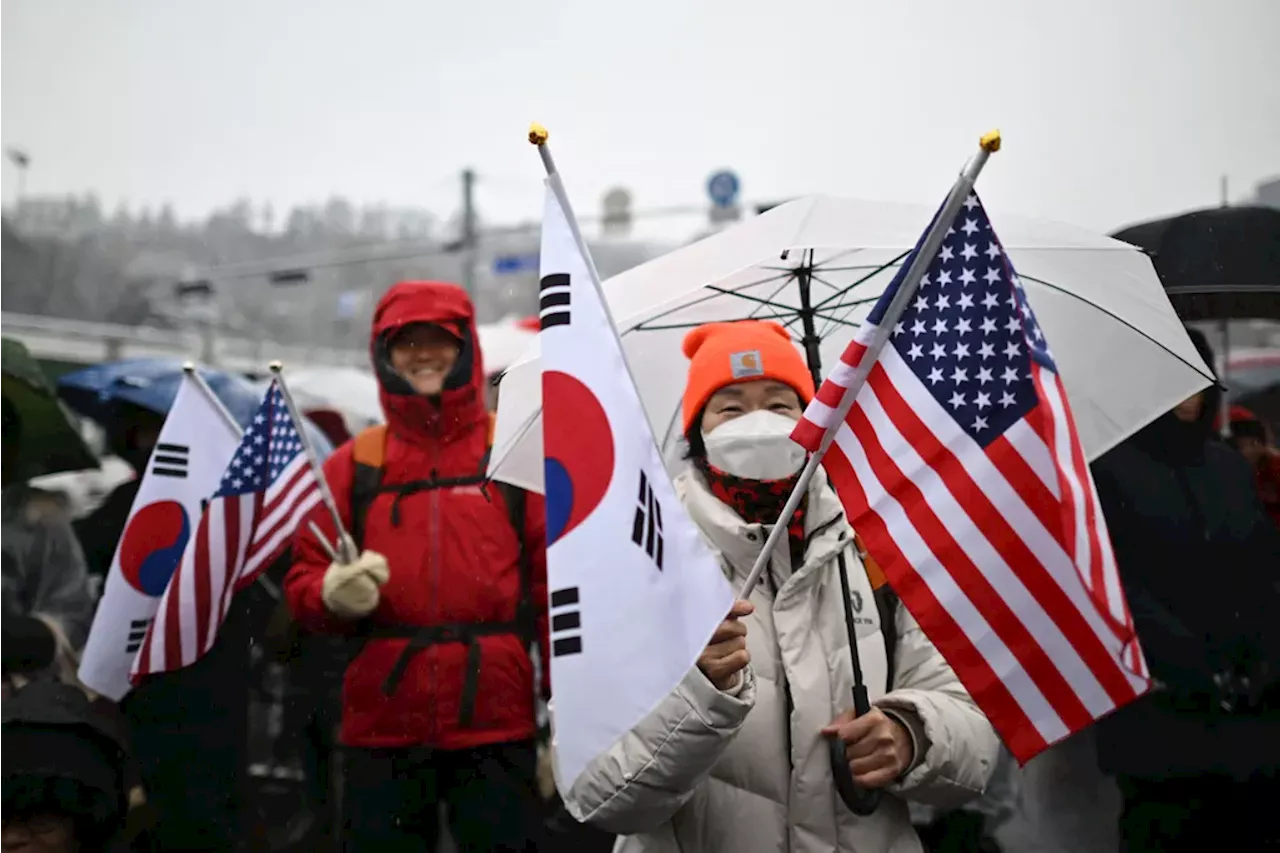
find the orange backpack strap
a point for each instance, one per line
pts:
(371, 446)
(886, 605)
(368, 453)
(875, 574)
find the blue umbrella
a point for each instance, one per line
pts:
(152, 383)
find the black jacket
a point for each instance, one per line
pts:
(1199, 562)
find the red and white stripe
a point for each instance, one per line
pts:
(1001, 553)
(238, 536)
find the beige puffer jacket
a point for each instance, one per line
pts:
(712, 772)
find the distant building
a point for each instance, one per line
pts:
(1267, 193)
(63, 217)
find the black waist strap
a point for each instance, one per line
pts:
(422, 636)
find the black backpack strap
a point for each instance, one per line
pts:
(526, 612)
(366, 483)
(887, 608)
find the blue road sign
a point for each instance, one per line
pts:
(511, 264)
(723, 188)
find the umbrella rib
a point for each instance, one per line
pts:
(770, 303)
(829, 321)
(823, 267)
(790, 324)
(1118, 319)
(643, 324)
(874, 272)
(841, 295)
(671, 422)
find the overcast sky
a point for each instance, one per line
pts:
(1111, 111)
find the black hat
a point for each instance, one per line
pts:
(61, 756)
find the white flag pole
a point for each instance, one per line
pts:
(987, 145)
(189, 368)
(277, 370)
(538, 137)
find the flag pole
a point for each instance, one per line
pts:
(987, 145)
(538, 137)
(277, 370)
(189, 368)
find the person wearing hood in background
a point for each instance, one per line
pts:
(132, 435)
(736, 758)
(442, 597)
(48, 603)
(1251, 437)
(64, 774)
(1197, 758)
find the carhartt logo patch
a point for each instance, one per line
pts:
(744, 364)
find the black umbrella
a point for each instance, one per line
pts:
(1217, 263)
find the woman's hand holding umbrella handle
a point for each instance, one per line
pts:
(726, 655)
(869, 750)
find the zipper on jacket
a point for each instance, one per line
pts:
(433, 590)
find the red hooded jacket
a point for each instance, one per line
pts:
(452, 552)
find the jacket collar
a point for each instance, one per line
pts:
(739, 543)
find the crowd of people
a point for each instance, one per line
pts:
(418, 646)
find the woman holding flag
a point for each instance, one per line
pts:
(738, 756)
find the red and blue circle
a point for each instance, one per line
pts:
(578, 449)
(152, 546)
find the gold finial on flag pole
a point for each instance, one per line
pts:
(276, 366)
(538, 134)
(990, 141)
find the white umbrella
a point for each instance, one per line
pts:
(818, 264)
(350, 391)
(503, 342)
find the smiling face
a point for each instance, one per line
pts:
(423, 354)
(734, 401)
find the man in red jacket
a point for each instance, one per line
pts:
(442, 603)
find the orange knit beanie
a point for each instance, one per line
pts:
(722, 354)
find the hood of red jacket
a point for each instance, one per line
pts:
(460, 407)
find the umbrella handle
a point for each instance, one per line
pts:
(859, 800)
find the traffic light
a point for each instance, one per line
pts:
(202, 287)
(296, 276)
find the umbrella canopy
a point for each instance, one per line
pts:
(152, 383)
(50, 443)
(817, 265)
(503, 342)
(350, 391)
(1217, 263)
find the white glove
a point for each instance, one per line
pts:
(350, 590)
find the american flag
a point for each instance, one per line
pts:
(267, 489)
(960, 467)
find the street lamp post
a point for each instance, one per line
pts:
(22, 161)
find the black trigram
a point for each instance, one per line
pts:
(171, 460)
(137, 633)
(566, 622)
(646, 530)
(553, 305)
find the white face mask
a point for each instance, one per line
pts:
(755, 446)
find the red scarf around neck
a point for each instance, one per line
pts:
(759, 502)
